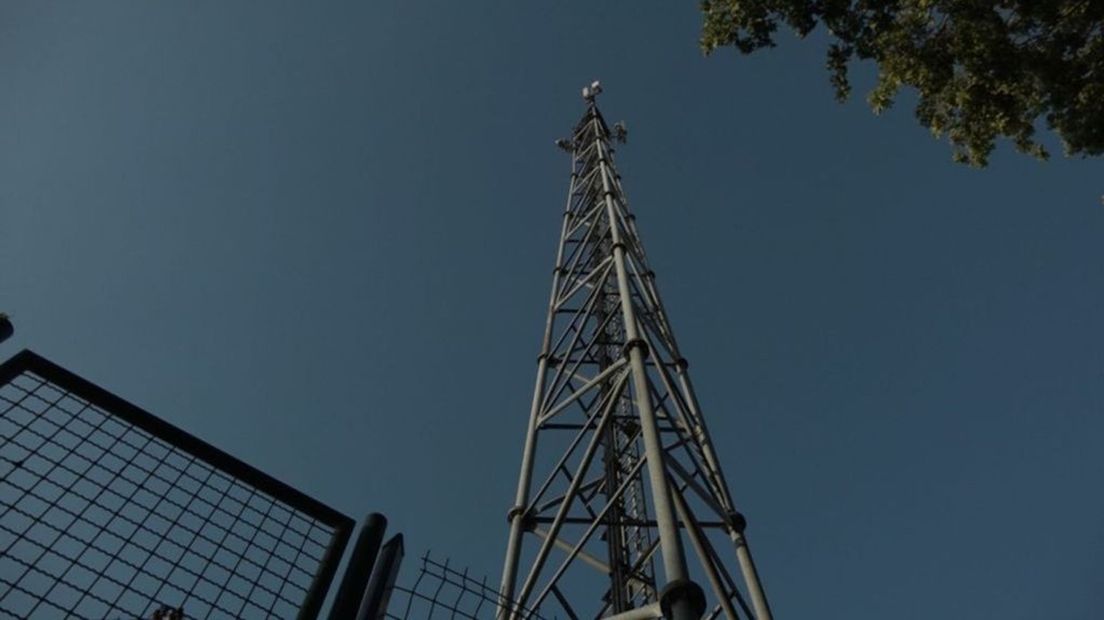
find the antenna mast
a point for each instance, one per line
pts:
(618, 471)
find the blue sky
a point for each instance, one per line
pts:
(321, 238)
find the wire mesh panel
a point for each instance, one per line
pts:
(445, 592)
(108, 512)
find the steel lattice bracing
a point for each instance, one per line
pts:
(620, 484)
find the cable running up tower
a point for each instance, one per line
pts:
(618, 470)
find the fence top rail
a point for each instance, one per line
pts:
(105, 509)
(28, 361)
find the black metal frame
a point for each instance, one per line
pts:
(329, 523)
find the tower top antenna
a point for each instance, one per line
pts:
(592, 91)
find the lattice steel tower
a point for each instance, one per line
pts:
(618, 469)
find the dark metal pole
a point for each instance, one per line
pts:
(357, 573)
(378, 592)
(311, 608)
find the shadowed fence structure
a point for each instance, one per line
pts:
(109, 512)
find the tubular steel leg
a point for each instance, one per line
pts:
(517, 514)
(674, 559)
(751, 577)
(697, 539)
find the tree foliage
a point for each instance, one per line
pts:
(983, 69)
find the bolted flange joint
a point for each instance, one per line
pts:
(737, 520)
(637, 343)
(618, 244)
(682, 363)
(527, 521)
(679, 591)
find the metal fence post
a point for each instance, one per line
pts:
(353, 584)
(380, 586)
